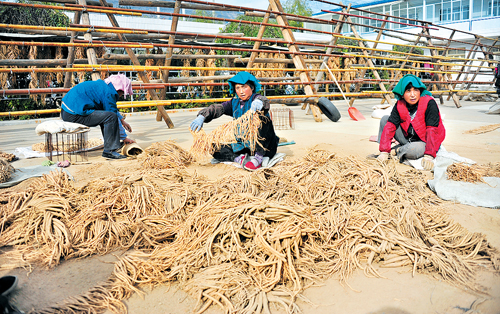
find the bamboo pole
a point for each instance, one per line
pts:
(91, 54)
(48, 62)
(77, 8)
(256, 44)
(85, 44)
(72, 29)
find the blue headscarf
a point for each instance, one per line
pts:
(243, 78)
(400, 88)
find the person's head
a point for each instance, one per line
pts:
(410, 88)
(244, 91)
(243, 85)
(412, 94)
(121, 83)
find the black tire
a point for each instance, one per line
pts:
(328, 109)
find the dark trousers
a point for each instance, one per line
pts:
(108, 121)
(269, 143)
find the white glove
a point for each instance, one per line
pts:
(257, 105)
(383, 156)
(428, 162)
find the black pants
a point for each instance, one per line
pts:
(108, 121)
(269, 143)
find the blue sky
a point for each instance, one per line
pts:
(263, 4)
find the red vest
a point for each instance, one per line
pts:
(432, 136)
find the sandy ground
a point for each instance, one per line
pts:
(398, 292)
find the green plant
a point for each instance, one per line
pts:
(33, 16)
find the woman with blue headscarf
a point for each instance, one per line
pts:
(245, 87)
(415, 122)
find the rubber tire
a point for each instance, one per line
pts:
(329, 109)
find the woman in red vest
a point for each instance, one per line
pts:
(414, 122)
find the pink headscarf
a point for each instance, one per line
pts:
(120, 82)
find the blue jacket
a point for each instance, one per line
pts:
(88, 96)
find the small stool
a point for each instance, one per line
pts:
(282, 118)
(64, 140)
(66, 146)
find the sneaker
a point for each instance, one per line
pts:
(240, 159)
(252, 164)
(113, 155)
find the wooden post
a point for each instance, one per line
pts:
(477, 70)
(363, 72)
(298, 60)
(91, 55)
(71, 53)
(170, 50)
(369, 61)
(441, 77)
(470, 55)
(142, 75)
(333, 41)
(256, 44)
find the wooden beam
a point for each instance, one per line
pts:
(256, 44)
(71, 53)
(142, 75)
(298, 60)
(170, 50)
(91, 55)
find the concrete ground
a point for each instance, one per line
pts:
(399, 292)
(348, 136)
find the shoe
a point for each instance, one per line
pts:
(250, 166)
(7, 284)
(113, 155)
(240, 159)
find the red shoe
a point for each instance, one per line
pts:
(250, 166)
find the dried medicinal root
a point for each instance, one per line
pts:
(241, 241)
(244, 129)
(6, 170)
(164, 155)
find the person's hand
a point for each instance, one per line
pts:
(384, 156)
(128, 141)
(197, 123)
(428, 162)
(126, 126)
(257, 105)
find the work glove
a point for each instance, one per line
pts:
(384, 156)
(197, 123)
(257, 105)
(428, 162)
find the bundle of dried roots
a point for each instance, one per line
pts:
(7, 156)
(6, 170)
(242, 242)
(165, 155)
(244, 130)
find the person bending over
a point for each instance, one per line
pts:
(93, 103)
(246, 87)
(415, 122)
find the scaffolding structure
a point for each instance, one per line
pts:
(293, 63)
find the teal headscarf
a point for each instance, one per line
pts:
(243, 78)
(399, 89)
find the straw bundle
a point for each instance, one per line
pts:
(165, 155)
(34, 82)
(244, 129)
(159, 62)
(483, 129)
(243, 241)
(200, 63)
(348, 75)
(6, 170)
(186, 62)
(333, 63)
